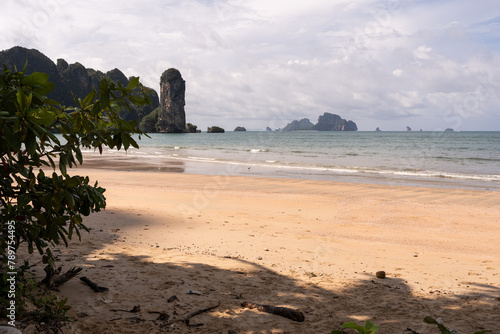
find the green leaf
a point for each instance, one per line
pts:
(430, 320)
(35, 78)
(371, 327)
(12, 140)
(133, 83)
(47, 88)
(31, 144)
(133, 142)
(104, 94)
(62, 164)
(72, 182)
(78, 154)
(21, 100)
(23, 199)
(43, 117)
(125, 141)
(89, 98)
(353, 325)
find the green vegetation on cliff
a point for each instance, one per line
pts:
(171, 73)
(149, 123)
(73, 79)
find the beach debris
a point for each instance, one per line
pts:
(135, 309)
(173, 298)
(190, 315)
(93, 286)
(380, 274)
(53, 279)
(161, 316)
(193, 292)
(286, 312)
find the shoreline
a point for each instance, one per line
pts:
(123, 162)
(306, 244)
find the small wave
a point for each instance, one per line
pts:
(483, 159)
(201, 158)
(257, 150)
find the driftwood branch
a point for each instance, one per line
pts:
(93, 286)
(286, 312)
(53, 279)
(190, 315)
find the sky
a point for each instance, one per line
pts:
(429, 65)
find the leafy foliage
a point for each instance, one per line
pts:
(369, 328)
(444, 330)
(47, 208)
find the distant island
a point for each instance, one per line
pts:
(215, 129)
(326, 122)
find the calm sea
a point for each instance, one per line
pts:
(436, 159)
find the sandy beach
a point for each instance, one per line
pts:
(314, 246)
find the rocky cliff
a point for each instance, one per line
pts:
(332, 122)
(172, 117)
(303, 124)
(71, 78)
(326, 122)
(215, 129)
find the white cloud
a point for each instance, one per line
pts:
(264, 62)
(397, 72)
(422, 52)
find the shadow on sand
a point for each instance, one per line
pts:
(150, 279)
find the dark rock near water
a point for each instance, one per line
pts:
(215, 129)
(240, 128)
(303, 124)
(332, 122)
(449, 130)
(172, 117)
(326, 122)
(268, 129)
(408, 129)
(191, 128)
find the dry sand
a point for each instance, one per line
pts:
(308, 245)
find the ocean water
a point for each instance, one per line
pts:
(435, 159)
